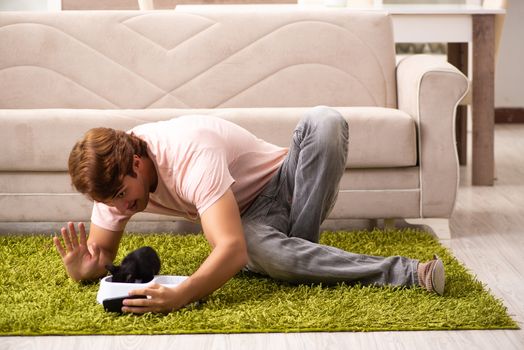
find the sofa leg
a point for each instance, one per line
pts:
(382, 224)
(438, 227)
(389, 224)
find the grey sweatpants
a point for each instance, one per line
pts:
(282, 225)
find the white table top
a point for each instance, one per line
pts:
(430, 9)
(396, 9)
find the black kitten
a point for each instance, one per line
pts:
(139, 266)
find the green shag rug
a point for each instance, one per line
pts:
(37, 298)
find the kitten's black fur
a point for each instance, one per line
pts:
(139, 266)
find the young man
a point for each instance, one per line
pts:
(260, 206)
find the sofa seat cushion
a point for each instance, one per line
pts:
(43, 194)
(41, 139)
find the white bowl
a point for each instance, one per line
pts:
(109, 289)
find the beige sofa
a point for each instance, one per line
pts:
(63, 73)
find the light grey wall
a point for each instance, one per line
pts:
(23, 5)
(509, 72)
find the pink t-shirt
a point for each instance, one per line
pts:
(197, 159)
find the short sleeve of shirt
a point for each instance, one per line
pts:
(207, 178)
(108, 217)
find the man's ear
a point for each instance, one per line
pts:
(137, 163)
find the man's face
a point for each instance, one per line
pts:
(132, 197)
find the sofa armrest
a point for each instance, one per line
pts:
(429, 89)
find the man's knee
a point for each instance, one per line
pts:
(328, 121)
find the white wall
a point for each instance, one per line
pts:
(23, 5)
(30, 5)
(509, 73)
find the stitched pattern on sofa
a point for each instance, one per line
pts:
(175, 60)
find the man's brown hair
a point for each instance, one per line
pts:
(99, 161)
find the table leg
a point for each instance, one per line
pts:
(458, 56)
(483, 102)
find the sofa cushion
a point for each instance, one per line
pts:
(364, 193)
(40, 140)
(215, 59)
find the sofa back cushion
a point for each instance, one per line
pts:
(197, 59)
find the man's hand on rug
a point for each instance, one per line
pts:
(160, 300)
(81, 262)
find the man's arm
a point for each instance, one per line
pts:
(223, 229)
(85, 258)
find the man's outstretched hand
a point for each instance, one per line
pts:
(160, 299)
(82, 262)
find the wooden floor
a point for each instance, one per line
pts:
(487, 236)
